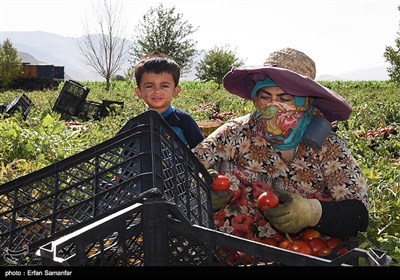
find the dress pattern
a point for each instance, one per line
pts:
(238, 150)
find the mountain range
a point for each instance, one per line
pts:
(49, 48)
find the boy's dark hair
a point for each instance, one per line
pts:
(157, 62)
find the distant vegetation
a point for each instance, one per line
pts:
(372, 133)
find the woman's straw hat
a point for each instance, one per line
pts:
(294, 72)
(294, 60)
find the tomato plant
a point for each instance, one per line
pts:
(221, 183)
(267, 200)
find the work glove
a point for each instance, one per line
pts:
(294, 212)
(219, 199)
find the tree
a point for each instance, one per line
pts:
(10, 64)
(164, 30)
(106, 50)
(392, 55)
(216, 63)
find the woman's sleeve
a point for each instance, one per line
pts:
(342, 175)
(343, 218)
(347, 214)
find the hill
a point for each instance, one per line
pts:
(60, 50)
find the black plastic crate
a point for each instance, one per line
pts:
(147, 154)
(2, 108)
(109, 106)
(71, 98)
(22, 103)
(89, 110)
(153, 232)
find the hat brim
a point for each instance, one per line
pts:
(240, 81)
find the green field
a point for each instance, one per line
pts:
(45, 138)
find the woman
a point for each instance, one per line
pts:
(318, 181)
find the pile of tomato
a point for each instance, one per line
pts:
(309, 241)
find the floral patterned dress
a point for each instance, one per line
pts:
(239, 151)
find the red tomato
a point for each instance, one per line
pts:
(300, 246)
(310, 233)
(333, 242)
(316, 244)
(342, 251)
(323, 252)
(221, 183)
(284, 243)
(243, 258)
(270, 241)
(267, 200)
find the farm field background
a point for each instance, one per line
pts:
(372, 133)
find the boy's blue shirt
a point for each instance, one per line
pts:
(184, 126)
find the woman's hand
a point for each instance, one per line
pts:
(294, 213)
(220, 199)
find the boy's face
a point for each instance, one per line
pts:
(157, 90)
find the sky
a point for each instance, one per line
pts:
(339, 35)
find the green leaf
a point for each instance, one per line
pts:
(47, 121)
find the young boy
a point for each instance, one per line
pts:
(157, 79)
